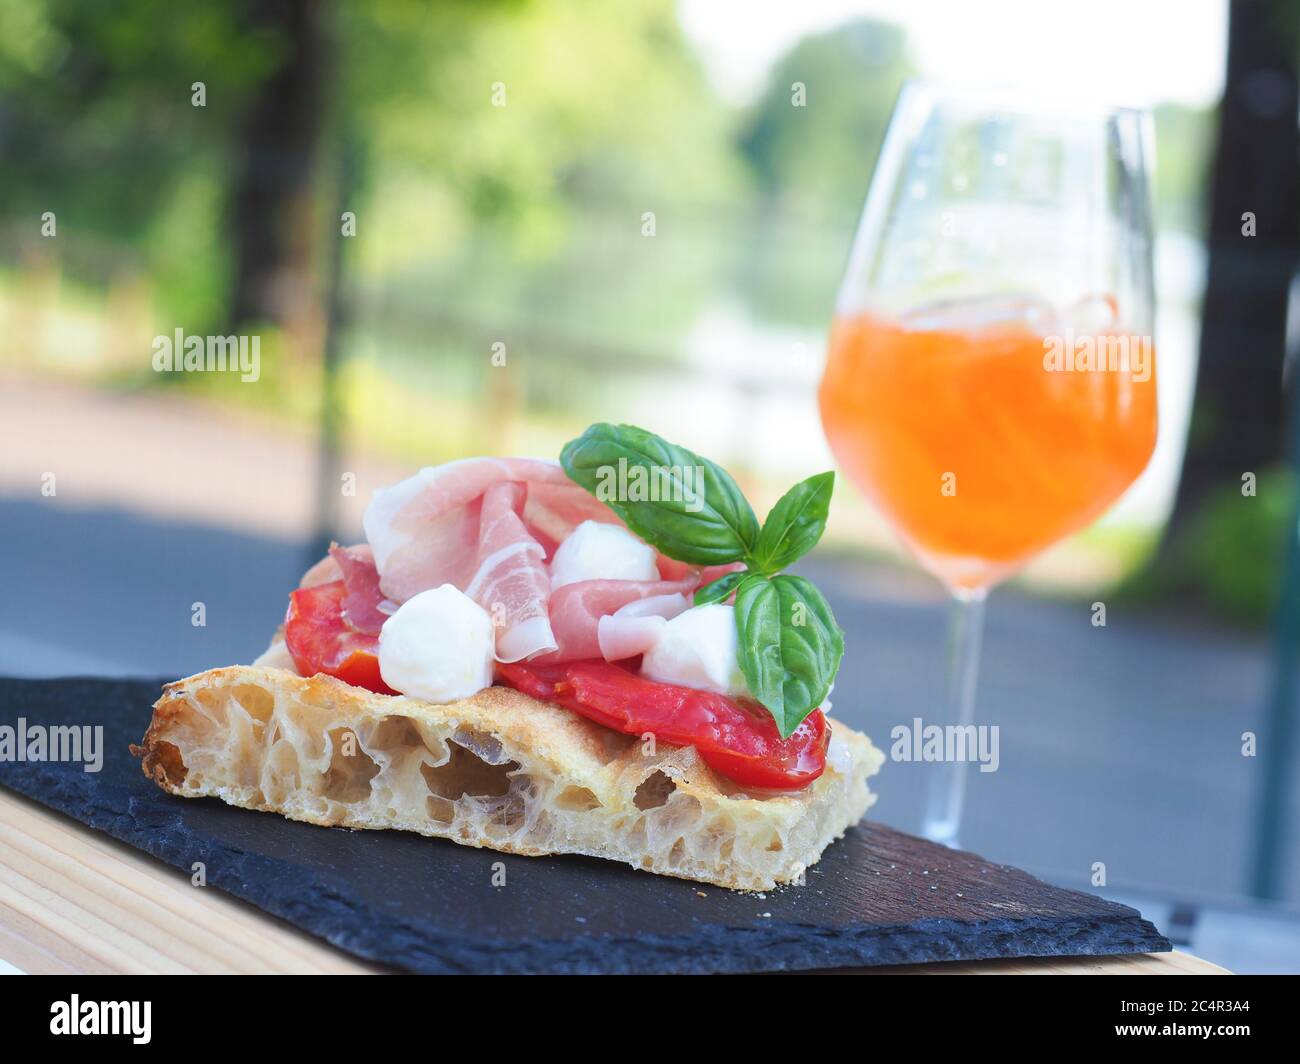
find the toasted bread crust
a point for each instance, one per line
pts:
(500, 770)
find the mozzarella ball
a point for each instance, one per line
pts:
(437, 646)
(697, 648)
(596, 551)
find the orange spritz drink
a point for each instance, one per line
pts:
(985, 446)
(990, 378)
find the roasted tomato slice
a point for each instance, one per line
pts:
(737, 739)
(320, 639)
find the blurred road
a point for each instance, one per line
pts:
(1119, 745)
(165, 453)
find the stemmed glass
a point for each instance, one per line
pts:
(990, 379)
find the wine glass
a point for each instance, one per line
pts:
(990, 379)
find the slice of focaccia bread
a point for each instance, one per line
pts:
(500, 769)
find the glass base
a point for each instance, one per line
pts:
(942, 831)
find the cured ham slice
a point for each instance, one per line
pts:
(325, 571)
(425, 530)
(489, 526)
(553, 511)
(364, 605)
(632, 630)
(511, 581)
(362, 601)
(576, 610)
(671, 569)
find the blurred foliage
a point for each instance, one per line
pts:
(603, 104)
(96, 115)
(1184, 141)
(523, 115)
(527, 212)
(815, 157)
(97, 125)
(1228, 561)
(811, 141)
(491, 219)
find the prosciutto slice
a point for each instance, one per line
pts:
(489, 526)
(553, 511)
(362, 599)
(671, 569)
(511, 581)
(364, 605)
(576, 610)
(425, 530)
(634, 629)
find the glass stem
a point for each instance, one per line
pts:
(947, 787)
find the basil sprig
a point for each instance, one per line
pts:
(795, 524)
(681, 504)
(690, 509)
(790, 646)
(720, 590)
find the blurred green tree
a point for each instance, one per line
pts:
(227, 207)
(98, 125)
(522, 112)
(813, 153)
(518, 159)
(811, 141)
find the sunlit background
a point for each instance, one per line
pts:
(475, 227)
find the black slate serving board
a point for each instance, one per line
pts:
(877, 896)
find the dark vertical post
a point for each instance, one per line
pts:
(276, 169)
(1239, 417)
(1276, 745)
(1238, 414)
(328, 484)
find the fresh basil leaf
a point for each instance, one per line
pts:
(788, 644)
(795, 524)
(690, 509)
(718, 591)
(683, 505)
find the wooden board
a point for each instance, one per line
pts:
(75, 901)
(878, 897)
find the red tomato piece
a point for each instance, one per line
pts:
(737, 739)
(320, 639)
